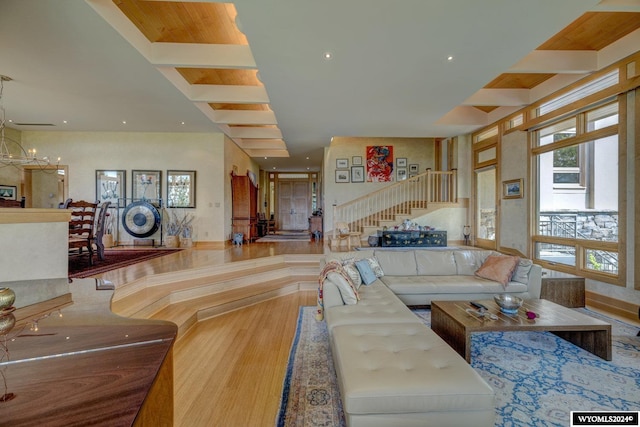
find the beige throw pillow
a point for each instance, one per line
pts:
(348, 293)
(498, 268)
(353, 273)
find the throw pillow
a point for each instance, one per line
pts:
(368, 276)
(375, 266)
(353, 273)
(348, 293)
(521, 273)
(498, 268)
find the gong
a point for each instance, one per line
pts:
(141, 219)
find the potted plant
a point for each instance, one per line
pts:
(107, 238)
(186, 240)
(175, 224)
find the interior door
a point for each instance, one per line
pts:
(293, 205)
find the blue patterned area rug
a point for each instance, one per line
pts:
(538, 377)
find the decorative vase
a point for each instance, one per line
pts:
(7, 298)
(107, 240)
(7, 322)
(186, 242)
(172, 242)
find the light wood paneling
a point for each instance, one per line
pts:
(593, 31)
(220, 76)
(184, 22)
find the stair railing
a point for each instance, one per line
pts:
(398, 199)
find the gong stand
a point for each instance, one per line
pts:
(141, 218)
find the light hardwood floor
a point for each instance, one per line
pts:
(229, 370)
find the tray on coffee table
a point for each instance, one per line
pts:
(451, 321)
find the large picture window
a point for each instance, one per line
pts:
(577, 203)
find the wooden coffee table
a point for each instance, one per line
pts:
(450, 320)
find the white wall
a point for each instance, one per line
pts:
(86, 152)
(513, 227)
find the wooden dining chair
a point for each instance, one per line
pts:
(81, 227)
(99, 229)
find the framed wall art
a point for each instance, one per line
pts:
(342, 163)
(9, 192)
(356, 160)
(512, 189)
(357, 173)
(401, 162)
(379, 163)
(413, 168)
(111, 185)
(402, 174)
(181, 189)
(146, 184)
(342, 176)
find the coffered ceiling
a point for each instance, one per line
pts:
(259, 71)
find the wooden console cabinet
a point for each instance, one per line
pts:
(562, 288)
(244, 194)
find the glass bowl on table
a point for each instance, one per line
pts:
(509, 304)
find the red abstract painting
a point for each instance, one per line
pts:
(380, 163)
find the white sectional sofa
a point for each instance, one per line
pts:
(393, 370)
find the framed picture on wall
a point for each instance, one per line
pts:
(512, 189)
(342, 163)
(357, 173)
(111, 185)
(146, 184)
(356, 160)
(413, 168)
(401, 174)
(401, 162)
(342, 176)
(181, 189)
(9, 192)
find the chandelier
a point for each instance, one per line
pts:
(20, 156)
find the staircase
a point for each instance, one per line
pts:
(394, 203)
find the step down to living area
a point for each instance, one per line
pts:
(188, 296)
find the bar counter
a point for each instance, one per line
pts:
(67, 360)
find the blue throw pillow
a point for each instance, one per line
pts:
(366, 272)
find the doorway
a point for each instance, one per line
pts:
(293, 205)
(44, 186)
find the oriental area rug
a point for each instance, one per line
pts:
(79, 264)
(538, 378)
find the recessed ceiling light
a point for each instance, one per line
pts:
(307, 158)
(265, 157)
(64, 121)
(124, 122)
(450, 58)
(181, 123)
(274, 168)
(327, 56)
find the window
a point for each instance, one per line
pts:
(577, 203)
(578, 93)
(567, 166)
(486, 214)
